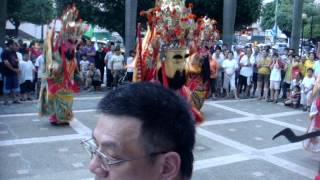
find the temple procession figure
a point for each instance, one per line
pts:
(175, 51)
(61, 70)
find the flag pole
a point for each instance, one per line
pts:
(276, 22)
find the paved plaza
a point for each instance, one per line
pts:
(233, 144)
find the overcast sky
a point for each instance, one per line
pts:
(267, 1)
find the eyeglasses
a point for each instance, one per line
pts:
(106, 160)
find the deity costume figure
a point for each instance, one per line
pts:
(198, 76)
(162, 54)
(198, 66)
(61, 70)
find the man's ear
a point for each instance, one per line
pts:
(171, 166)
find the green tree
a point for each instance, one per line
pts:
(248, 11)
(285, 16)
(3, 18)
(109, 14)
(34, 11)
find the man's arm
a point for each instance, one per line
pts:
(6, 63)
(91, 53)
(106, 59)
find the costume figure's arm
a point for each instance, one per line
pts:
(315, 90)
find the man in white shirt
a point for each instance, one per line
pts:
(130, 65)
(107, 60)
(117, 66)
(230, 66)
(26, 77)
(40, 69)
(246, 72)
(306, 89)
(275, 78)
(219, 57)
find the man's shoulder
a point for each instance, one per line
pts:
(6, 53)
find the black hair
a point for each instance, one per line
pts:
(117, 48)
(298, 87)
(24, 52)
(205, 69)
(314, 55)
(177, 81)
(112, 43)
(131, 52)
(10, 42)
(218, 48)
(166, 123)
(310, 69)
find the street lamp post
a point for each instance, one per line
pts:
(304, 17)
(276, 22)
(229, 15)
(130, 24)
(296, 24)
(311, 28)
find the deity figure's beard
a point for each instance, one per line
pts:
(70, 54)
(177, 81)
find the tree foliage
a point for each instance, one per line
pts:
(284, 19)
(111, 14)
(248, 11)
(33, 11)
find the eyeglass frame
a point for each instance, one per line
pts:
(107, 162)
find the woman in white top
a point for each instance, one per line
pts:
(275, 78)
(230, 66)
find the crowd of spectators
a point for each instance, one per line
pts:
(22, 68)
(262, 73)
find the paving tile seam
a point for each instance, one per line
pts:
(249, 152)
(47, 139)
(259, 154)
(36, 114)
(227, 121)
(284, 124)
(75, 99)
(80, 128)
(231, 101)
(220, 161)
(290, 166)
(283, 148)
(264, 117)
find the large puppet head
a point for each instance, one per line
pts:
(70, 33)
(173, 70)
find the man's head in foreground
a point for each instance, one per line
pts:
(144, 132)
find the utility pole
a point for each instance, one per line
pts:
(276, 22)
(130, 24)
(229, 16)
(311, 27)
(296, 24)
(3, 20)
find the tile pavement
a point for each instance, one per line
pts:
(234, 143)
